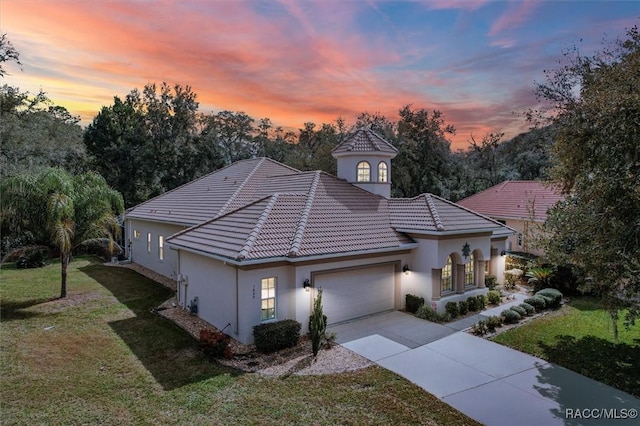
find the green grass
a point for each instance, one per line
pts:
(579, 337)
(101, 357)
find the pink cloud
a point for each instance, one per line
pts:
(517, 13)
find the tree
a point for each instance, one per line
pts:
(596, 101)
(486, 161)
(61, 210)
(36, 134)
(423, 163)
(232, 132)
(317, 324)
(7, 53)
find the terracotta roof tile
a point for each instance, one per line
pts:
(514, 200)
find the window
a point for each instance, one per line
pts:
(160, 247)
(136, 234)
(148, 242)
(446, 280)
(364, 172)
(268, 298)
(382, 172)
(468, 272)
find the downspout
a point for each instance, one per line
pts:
(237, 302)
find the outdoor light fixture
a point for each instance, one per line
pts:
(306, 285)
(406, 269)
(466, 250)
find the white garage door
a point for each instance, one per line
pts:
(355, 293)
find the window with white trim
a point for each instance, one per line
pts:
(160, 247)
(382, 172)
(148, 242)
(468, 272)
(268, 296)
(363, 172)
(136, 234)
(446, 279)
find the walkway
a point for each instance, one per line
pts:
(491, 383)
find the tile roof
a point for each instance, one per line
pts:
(211, 195)
(514, 200)
(432, 214)
(365, 140)
(332, 217)
(260, 209)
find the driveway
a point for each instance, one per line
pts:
(491, 383)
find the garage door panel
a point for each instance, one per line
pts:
(357, 292)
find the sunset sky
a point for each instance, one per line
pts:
(299, 61)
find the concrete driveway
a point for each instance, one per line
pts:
(491, 383)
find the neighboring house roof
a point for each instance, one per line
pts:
(204, 198)
(364, 140)
(514, 199)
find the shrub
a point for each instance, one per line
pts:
(428, 313)
(527, 307)
(554, 295)
(493, 322)
(412, 303)
(317, 324)
(452, 309)
(32, 258)
(520, 310)
(510, 281)
(538, 302)
(274, 336)
(472, 303)
(482, 301)
(479, 329)
(510, 316)
(490, 281)
(463, 307)
(215, 344)
(494, 297)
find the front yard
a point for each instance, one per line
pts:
(579, 337)
(102, 357)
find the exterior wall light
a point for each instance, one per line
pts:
(406, 269)
(306, 285)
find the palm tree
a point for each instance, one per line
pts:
(61, 210)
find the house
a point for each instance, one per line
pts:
(521, 205)
(254, 241)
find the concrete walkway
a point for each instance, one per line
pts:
(491, 383)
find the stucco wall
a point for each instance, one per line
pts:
(138, 253)
(528, 229)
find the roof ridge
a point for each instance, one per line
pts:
(444, 200)
(253, 235)
(240, 187)
(369, 133)
(434, 212)
(304, 217)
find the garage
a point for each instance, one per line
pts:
(355, 292)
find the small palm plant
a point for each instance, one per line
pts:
(540, 277)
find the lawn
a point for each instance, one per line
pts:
(102, 357)
(579, 337)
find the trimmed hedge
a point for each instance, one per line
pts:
(452, 309)
(428, 313)
(554, 295)
(494, 297)
(538, 302)
(482, 301)
(527, 307)
(510, 316)
(494, 322)
(463, 307)
(273, 336)
(520, 310)
(472, 303)
(490, 281)
(412, 303)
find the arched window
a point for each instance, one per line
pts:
(382, 172)
(469, 280)
(364, 172)
(446, 280)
